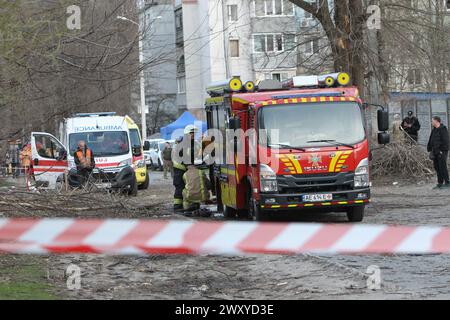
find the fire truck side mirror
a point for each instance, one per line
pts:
(383, 120)
(234, 123)
(383, 138)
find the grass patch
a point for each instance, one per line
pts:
(24, 278)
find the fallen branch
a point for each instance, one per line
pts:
(402, 160)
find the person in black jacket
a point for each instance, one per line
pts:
(411, 126)
(438, 147)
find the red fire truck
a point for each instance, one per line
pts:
(318, 158)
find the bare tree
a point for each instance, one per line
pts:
(49, 72)
(343, 26)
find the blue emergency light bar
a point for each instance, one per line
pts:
(309, 95)
(97, 114)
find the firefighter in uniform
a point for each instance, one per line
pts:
(178, 171)
(180, 165)
(84, 159)
(196, 188)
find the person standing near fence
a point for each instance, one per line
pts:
(411, 126)
(438, 146)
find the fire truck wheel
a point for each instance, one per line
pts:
(229, 213)
(355, 214)
(255, 211)
(243, 214)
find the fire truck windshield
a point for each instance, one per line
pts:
(312, 125)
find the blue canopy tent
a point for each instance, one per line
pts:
(175, 129)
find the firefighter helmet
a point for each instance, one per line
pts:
(190, 129)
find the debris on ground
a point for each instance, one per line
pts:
(75, 203)
(402, 160)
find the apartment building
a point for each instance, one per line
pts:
(159, 50)
(218, 39)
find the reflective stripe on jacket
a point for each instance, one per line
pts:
(179, 166)
(196, 185)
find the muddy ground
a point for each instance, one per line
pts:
(263, 277)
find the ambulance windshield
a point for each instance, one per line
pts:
(312, 125)
(102, 143)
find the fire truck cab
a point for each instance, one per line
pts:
(309, 149)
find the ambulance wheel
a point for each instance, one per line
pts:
(146, 183)
(355, 214)
(229, 213)
(134, 190)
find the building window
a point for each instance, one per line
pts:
(315, 45)
(312, 46)
(181, 83)
(289, 42)
(260, 8)
(234, 48)
(447, 5)
(268, 43)
(280, 76)
(273, 8)
(279, 42)
(181, 67)
(414, 76)
(308, 15)
(233, 13)
(179, 20)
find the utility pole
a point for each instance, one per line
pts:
(141, 29)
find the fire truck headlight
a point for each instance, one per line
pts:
(362, 174)
(268, 179)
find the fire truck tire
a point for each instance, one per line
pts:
(355, 214)
(260, 214)
(243, 214)
(255, 211)
(229, 213)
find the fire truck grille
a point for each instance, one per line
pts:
(315, 183)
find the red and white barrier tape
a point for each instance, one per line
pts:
(186, 237)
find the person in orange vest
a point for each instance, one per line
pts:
(25, 159)
(84, 159)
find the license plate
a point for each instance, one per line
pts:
(103, 185)
(317, 197)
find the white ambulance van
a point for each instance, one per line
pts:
(115, 142)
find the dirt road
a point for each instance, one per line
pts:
(265, 277)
